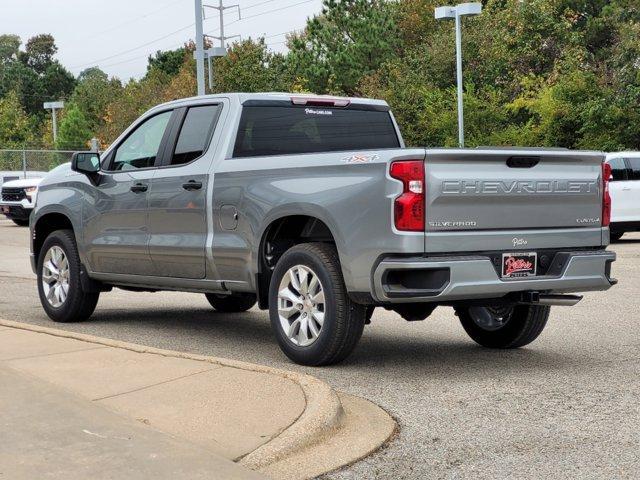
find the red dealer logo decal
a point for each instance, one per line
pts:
(517, 265)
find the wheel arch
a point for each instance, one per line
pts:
(283, 231)
(45, 224)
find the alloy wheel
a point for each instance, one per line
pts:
(55, 276)
(301, 305)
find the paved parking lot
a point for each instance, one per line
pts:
(566, 406)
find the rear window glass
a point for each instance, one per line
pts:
(618, 169)
(275, 130)
(634, 163)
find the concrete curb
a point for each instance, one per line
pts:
(322, 415)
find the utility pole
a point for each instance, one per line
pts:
(199, 53)
(220, 51)
(53, 106)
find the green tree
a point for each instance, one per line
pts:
(57, 82)
(348, 40)
(39, 52)
(93, 93)
(250, 67)
(168, 61)
(9, 48)
(15, 129)
(74, 132)
(136, 98)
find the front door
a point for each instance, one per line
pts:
(115, 215)
(178, 196)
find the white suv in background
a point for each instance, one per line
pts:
(18, 198)
(625, 193)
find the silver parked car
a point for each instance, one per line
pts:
(313, 208)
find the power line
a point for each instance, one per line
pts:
(135, 19)
(265, 13)
(95, 62)
(271, 11)
(134, 48)
(257, 4)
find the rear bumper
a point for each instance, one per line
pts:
(450, 279)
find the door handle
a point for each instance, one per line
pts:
(139, 188)
(626, 189)
(192, 185)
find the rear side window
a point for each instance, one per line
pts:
(284, 130)
(195, 133)
(618, 169)
(634, 165)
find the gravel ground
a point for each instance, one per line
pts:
(564, 407)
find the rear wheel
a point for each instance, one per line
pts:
(505, 326)
(59, 286)
(232, 303)
(312, 316)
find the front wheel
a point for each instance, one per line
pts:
(503, 326)
(312, 316)
(59, 285)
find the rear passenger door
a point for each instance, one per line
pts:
(178, 195)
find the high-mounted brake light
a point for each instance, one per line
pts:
(606, 196)
(408, 211)
(320, 101)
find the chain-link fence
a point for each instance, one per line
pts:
(32, 160)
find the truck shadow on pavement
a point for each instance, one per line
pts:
(248, 337)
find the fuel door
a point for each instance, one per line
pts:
(228, 217)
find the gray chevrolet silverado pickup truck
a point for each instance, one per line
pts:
(312, 207)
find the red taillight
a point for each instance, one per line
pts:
(606, 197)
(409, 207)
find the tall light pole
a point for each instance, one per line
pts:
(199, 53)
(456, 12)
(53, 106)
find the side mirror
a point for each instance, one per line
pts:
(85, 162)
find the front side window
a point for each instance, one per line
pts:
(618, 169)
(140, 149)
(195, 133)
(634, 165)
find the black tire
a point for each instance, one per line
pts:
(20, 223)
(616, 236)
(79, 305)
(343, 319)
(522, 327)
(233, 303)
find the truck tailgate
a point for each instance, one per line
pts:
(512, 189)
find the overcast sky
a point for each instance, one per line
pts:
(118, 35)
